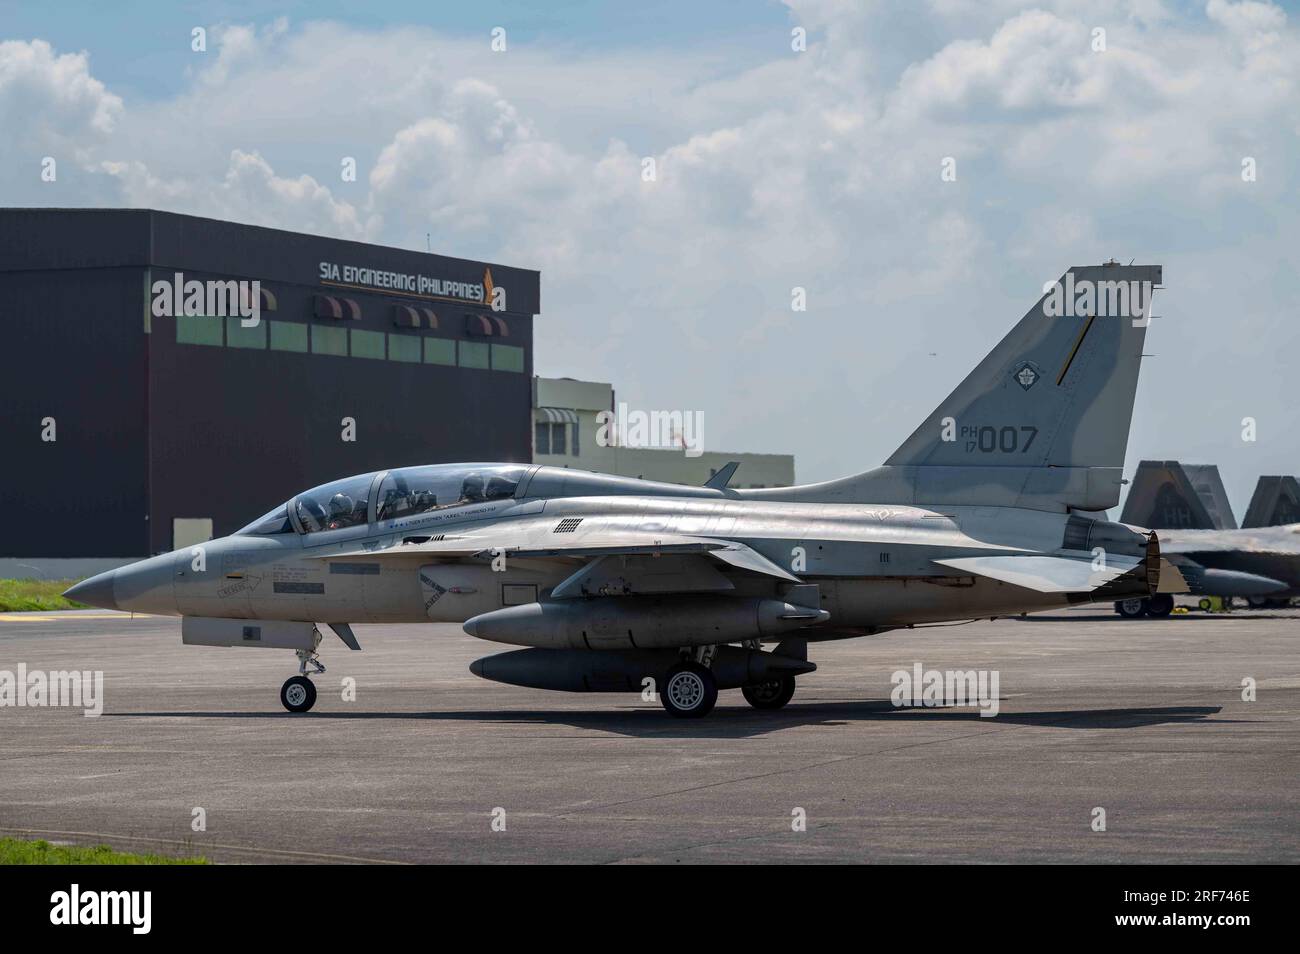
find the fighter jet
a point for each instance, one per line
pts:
(1187, 504)
(619, 584)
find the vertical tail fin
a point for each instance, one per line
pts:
(1276, 502)
(1058, 390)
(1042, 422)
(1168, 495)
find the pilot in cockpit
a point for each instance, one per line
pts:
(342, 512)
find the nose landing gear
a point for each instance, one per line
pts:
(298, 694)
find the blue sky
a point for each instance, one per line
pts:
(142, 46)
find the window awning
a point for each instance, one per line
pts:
(558, 415)
(486, 326)
(409, 316)
(328, 306)
(268, 301)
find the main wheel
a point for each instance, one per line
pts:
(1160, 605)
(689, 692)
(298, 694)
(1131, 609)
(772, 694)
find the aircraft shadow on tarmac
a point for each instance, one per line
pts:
(729, 722)
(1240, 616)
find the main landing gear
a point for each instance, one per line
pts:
(690, 691)
(298, 694)
(690, 688)
(770, 695)
(1157, 606)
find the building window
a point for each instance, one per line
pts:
(507, 358)
(238, 336)
(552, 438)
(439, 351)
(327, 340)
(198, 329)
(404, 348)
(367, 344)
(288, 336)
(474, 354)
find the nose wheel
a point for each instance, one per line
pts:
(298, 694)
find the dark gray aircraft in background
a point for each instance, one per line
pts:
(1198, 534)
(617, 584)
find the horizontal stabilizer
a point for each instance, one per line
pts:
(1046, 574)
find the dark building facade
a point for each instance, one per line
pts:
(125, 427)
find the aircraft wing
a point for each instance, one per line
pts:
(530, 541)
(1046, 574)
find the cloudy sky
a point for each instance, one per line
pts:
(776, 168)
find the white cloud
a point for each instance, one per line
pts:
(250, 192)
(51, 107)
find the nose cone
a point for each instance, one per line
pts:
(476, 667)
(96, 591)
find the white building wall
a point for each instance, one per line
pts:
(586, 399)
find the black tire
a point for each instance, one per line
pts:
(773, 694)
(689, 691)
(1131, 609)
(298, 694)
(1160, 605)
(1205, 605)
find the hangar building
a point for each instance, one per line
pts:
(129, 430)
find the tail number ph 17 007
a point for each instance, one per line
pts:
(990, 439)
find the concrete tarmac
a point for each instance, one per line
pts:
(1144, 719)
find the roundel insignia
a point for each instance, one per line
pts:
(1026, 374)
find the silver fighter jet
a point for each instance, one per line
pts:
(618, 584)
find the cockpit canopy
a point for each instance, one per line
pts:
(406, 492)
